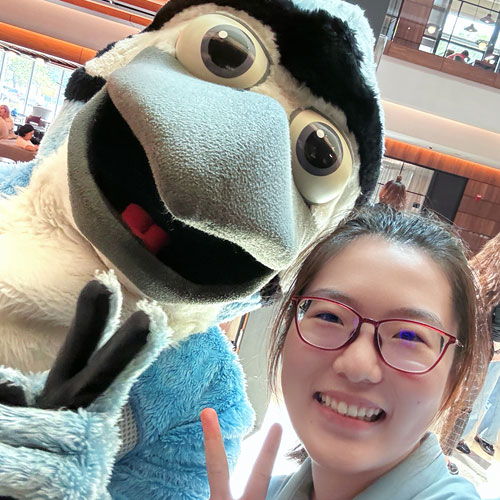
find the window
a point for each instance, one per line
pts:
(27, 81)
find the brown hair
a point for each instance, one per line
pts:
(425, 233)
(486, 265)
(393, 193)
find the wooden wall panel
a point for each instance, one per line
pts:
(488, 192)
(413, 19)
(407, 51)
(474, 241)
(476, 224)
(478, 216)
(480, 207)
(439, 161)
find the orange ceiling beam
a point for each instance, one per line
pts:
(45, 44)
(153, 5)
(111, 11)
(441, 161)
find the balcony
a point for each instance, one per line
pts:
(457, 37)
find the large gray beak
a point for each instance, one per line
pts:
(219, 162)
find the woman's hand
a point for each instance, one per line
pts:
(218, 470)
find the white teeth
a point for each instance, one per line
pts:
(352, 411)
(342, 408)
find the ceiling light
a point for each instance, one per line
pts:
(488, 19)
(482, 44)
(432, 28)
(471, 28)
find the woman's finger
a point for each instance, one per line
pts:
(258, 482)
(215, 455)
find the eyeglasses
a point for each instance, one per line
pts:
(405, 345)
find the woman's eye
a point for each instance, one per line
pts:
(220, 49)
(322, 162)
(408, 336)
(330, 317)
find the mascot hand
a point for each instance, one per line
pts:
(58, 432)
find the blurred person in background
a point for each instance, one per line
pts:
(393, 193)
(7, 119)
(25, 133)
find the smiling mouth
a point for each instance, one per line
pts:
(121, 170)
(350, 411)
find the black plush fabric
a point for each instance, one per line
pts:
(324, 42)
(81, 86)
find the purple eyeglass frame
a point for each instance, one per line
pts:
(354, 335)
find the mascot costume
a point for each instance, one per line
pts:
(190, 164)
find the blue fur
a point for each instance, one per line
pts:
(168, 461)
(13, 176)
(52, 455)
(238, 308)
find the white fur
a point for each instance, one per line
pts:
(45, 263)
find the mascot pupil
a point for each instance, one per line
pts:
(190, 164)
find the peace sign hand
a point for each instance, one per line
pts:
(217, 467)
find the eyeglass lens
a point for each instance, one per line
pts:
(407, 346)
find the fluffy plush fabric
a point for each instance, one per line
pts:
(344, 44)
(52, 455)
(213, 166)
(168, 461)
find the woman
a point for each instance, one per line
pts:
(25, 133)
(375, 336)
(5, 115)
(393, 193)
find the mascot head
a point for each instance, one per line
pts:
(212, 147)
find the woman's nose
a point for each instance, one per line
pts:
(359, 361)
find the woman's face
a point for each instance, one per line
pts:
(380, 280)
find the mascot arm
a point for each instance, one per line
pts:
(63, 445)
(168, 461)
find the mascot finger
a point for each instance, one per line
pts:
(84, 387)
(88, 324)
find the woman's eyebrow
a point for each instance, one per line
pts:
(413, 313)
(333, 294)
(418, 315)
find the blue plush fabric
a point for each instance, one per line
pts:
(61, 454)
(13, 176)
(168, 461)
(56, 455)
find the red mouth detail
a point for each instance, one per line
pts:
(141, 225)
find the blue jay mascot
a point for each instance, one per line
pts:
(190, 164)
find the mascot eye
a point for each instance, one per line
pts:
(220, 49)
(321, 158)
